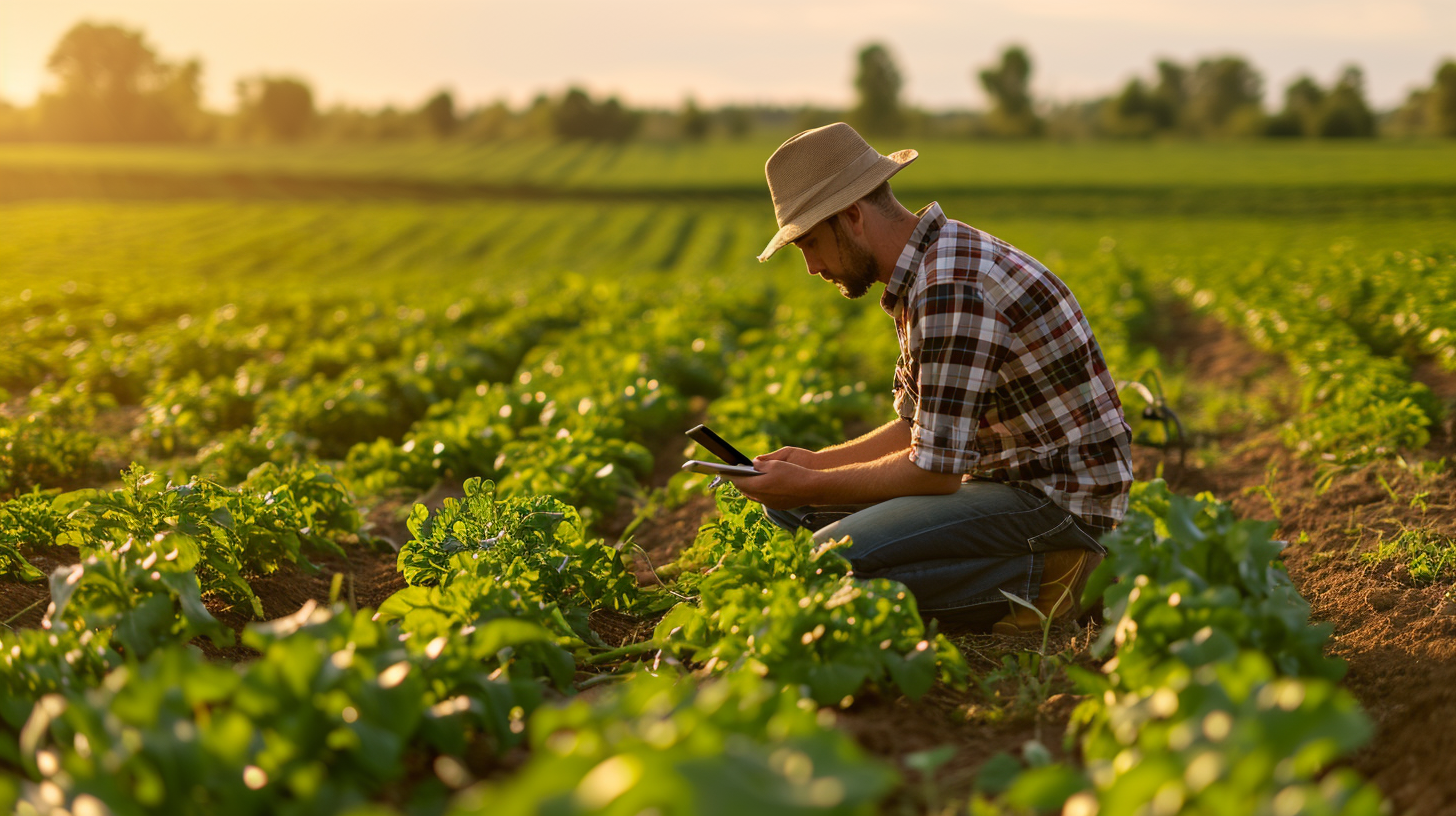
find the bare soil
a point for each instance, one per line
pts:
(22, 604)
(666, 536)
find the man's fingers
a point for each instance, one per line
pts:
(792, 455)
(739, 482)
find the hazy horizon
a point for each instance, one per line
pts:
(650, 53)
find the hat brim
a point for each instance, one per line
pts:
(864, 184)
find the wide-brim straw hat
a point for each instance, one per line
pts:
(820, 172)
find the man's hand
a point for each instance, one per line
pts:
(794, 456)
(782, 484)
(785, 484)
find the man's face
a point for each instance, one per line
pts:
(833, 254)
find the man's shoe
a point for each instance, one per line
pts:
(1063, 576)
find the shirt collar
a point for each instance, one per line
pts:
(931, 220)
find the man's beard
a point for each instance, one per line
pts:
(859, 270)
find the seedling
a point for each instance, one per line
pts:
(927, 762)
(1042, 685)
(1267, 490)
(1046, 621)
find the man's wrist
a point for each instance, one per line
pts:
(817, 487)
(817, 460)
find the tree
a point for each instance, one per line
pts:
(113, 87)
(1304, 100)
(578, 116)
(1009, 86)
(1170, 97)
(438, 114)
(1440, 113)
(1130, 113)
(1224, 98)
(1344, 112)
(878, 84)
(1311, 111)
(693, 124)
(1410, 118)
(488, 123)
(810, 117)
(276, 108)
(14, 124)
(1147, 108)
(737, 122)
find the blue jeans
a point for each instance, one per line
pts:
(956, 552)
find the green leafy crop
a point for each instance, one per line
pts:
(44, 449)
(147, 598)
(319, 724)
(26, 520)
(35, 663)
(1198, 583)
(666, 745)
(254, 530)
(776, 604)
(534, 541)
(459, 609)
(1229, 737)
(1219, 698)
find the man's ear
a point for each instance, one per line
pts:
(853, 219)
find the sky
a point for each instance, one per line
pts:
(657, 52)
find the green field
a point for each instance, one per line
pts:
(739, 166)
(295, 346)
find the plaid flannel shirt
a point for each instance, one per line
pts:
(999, 374)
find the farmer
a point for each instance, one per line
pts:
(1010, 455)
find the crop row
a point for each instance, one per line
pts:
(1352, 328)
(213, 378)
(553, 391)
(769, 605)
(293, 373)
(1216, 694)
(338, 707)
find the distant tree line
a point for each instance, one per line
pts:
(112, 86)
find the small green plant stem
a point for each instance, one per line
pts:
(17, 615)
(1389, 491)
(602, 680)
(660, 582)
(626, 651)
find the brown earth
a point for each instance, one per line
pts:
(668, 534)
(23, 605)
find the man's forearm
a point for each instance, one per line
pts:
(786, 482)
(887, 477)
(892, 437)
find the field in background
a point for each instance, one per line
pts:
(737, 167)
(552, 317)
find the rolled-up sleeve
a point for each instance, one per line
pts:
(959, 343)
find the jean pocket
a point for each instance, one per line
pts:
(1065, 534)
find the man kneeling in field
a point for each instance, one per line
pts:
(1011, 454)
